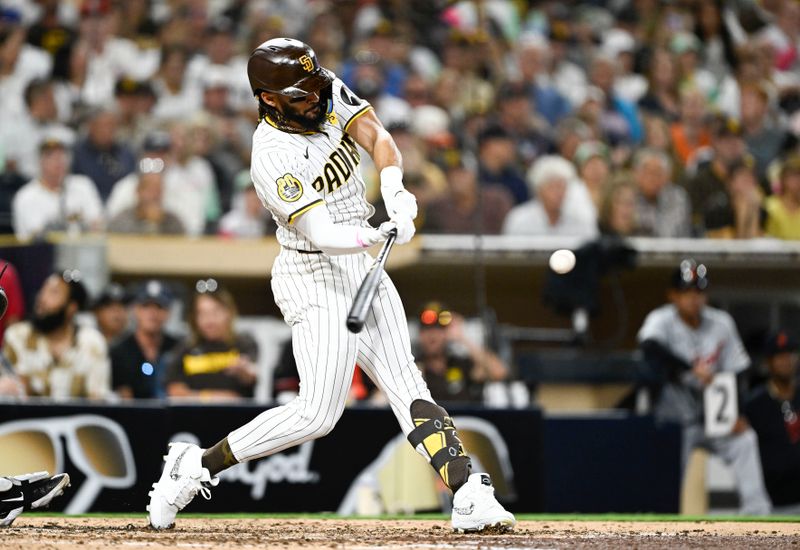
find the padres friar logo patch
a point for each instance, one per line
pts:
(289, 188)
(307, 63)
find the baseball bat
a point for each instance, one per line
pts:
(369, 287)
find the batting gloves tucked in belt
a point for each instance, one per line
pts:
(399, 202)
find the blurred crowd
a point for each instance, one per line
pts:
(123, 344)
(630, 117)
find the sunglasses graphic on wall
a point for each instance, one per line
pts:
(96, 445)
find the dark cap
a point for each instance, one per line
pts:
(130, 87)
(689, 275)
(780, 342)
(154, 292)
(493, 132)
(114, 293)
(435, 315)
(157, 141)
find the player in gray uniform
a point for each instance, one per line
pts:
(685, 344)
(305, 167)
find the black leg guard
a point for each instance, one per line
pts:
(435, 431)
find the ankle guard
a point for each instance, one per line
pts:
(435, 432)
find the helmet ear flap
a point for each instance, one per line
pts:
(326, 97)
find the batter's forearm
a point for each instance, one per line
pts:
(333, 239)
(385, 152)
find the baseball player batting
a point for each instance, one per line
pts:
(305, 166)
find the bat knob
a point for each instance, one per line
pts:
(354, 325)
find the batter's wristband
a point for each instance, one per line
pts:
(391, 181)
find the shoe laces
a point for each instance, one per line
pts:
(189, 489)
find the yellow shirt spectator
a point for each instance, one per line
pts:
(781, 222)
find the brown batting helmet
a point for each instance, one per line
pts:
(288, 67)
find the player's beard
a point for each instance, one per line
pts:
(309, 122)
(47, 323)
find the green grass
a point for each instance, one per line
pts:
(442, 517)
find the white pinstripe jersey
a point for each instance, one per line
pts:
(293, 173)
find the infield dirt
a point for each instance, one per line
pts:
(95, 533)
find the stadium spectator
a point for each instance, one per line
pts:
(497, 163)
(215, 363)
(736, 212)
(56, 200)
(134, 103)
(467, 208)
(100, 156)
(662, 98)
(618, 209)
(619, 44)
(176, 97)
(594, 169)
(690, 132)
(773, 410)
(454, 367)
(100, 58)
(21, 63)
(712, 169)
(686, 48)
(528, 130)
(248, 218)
(139, 360)
(783, 209)
(662, 207)
(21, 133)
(189, 189)
(764, 137)
(220, 55)
(619, 119)
(111, 313)
(569, 134)
(562, 205)
(534, 59)
(51, 355)
(149, 215)
(686, 344)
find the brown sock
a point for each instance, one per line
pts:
(218, 458)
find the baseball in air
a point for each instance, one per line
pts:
(562, 261)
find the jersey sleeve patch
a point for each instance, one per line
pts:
(289, 188)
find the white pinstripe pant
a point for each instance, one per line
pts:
(314, 292)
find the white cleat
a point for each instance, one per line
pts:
(183, 477)
(475, 508)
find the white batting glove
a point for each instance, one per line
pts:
(399, 202)
(405, 228)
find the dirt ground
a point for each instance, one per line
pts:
(94, 533)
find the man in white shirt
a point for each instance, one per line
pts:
(56, 200)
